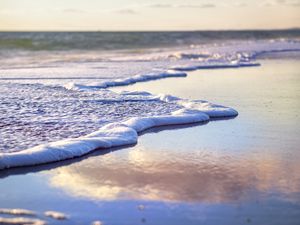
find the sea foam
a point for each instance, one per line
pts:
(115, 134)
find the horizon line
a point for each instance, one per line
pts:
(192, 30)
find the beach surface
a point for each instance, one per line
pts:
(244, 170)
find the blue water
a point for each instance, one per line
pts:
(129, 40)
(238, 171)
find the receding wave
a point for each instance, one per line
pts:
(117, 133)
(45, 119)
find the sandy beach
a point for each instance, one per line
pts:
(238, 171)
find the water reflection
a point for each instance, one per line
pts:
(172, 176)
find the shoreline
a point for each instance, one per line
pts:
(76, 147)
(116, 134)
(235, 169)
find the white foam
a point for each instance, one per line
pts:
(126, 81)
(17, 212)
(56, 215)
(174, 64)
(216, 66)
(21, 220)
(16, 219)
(212, 110)
(115, 134)
(116, 69)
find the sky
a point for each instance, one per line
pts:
(142, 15)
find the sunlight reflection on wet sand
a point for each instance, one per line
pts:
(197, 177)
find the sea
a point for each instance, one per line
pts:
(56, 88)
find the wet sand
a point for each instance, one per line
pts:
(239, 171)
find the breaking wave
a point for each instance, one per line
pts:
(57, 105)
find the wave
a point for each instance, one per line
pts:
(116, 134)
(34, 217)
(52, 41)
(126, 81)
(80, 99)
(176, 71)
(175, 64)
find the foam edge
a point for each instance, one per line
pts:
(115, 134)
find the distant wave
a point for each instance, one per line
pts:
(130, 40)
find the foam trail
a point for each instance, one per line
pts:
(176, 71)
(17, 212)
(55, 215)
(127, 81)
(115, 134)
(215, 66)
(21, 220)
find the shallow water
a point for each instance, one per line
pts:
(239, 171)
(51, 95)
(36, 114)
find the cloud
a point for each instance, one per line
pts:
(161, 6)
(126, 11)
(293, 3)
(240, 4)
(208, 5)
(73, 11)
(205, 6)
(289, 2)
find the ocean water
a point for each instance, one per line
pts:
(55, 101)
(243, 170)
